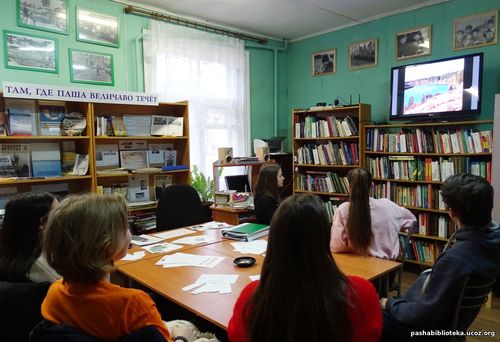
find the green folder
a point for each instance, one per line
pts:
(246, 231)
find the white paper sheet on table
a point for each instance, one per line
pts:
(174, 233)
(212, 283)
(251, 247)
(210, 225)
(184, 259)
(195, 240)
(134, 256)
(144, 239)
(162, 247)
(254, 277)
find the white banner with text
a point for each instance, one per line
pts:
(51, 92)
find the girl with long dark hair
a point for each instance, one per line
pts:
(302, 295)
(21, 235)
(267, 192)
(366, 225)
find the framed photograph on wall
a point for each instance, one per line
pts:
(475, 30)
(91, 67)
(414, 43)
(363, 54)
(97, 28)
(46, 15)
(324, 62)
(30, 52)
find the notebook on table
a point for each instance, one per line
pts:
(246, 231)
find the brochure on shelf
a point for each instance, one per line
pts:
(167, 126)
(138, 188)
(134, 159)
(51, 117)
(107, 156)
(46, 159)
(156, 153)
(129, 145)
(21, 116)
(20, 157)
(137, 125)
(81, 165)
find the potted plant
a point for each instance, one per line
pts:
(205, 188)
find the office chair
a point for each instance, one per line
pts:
(20, 308)
(46, 331)
(473, 295)
(179, 206)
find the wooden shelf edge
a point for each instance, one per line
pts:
(428, 237)
(44, 137)
(43, 180)
(113, 175)
(427, 124)
(140, 138)
(416, 154)
(405, 181)
(422, 263)
(321, 193)
(326, 165)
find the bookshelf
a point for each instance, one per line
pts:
(24, 180)
(409, 162)
(326, 145)
(105, 165)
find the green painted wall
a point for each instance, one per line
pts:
(372, 84)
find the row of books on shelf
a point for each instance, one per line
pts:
(314, 127)
(342, 153)
(141, 222)
(133, 125)
(134, 154)
(427, 169)
(424, 251)
(41, 160)
(322, 182)
(331, 205)
(430, 141)
(138, 189)
(419, 196)
(439, 225)
(40, 118)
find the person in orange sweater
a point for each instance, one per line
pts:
(302, 295)
(86, 234)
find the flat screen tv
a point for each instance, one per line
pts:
(442, 89)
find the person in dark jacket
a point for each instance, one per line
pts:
(267, 191)
(429, 302)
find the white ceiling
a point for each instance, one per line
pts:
(292, 19)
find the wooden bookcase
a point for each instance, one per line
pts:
(323, 154)
(83, 145)
(409, 162)
(95, 180)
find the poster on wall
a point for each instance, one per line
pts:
(46, 15)
(90, 67)
(30, 52)
(96, 28)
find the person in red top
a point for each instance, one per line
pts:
(84, 236)
(302, 295)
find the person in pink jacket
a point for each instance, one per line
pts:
(366, 225)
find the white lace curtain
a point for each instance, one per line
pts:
(210, 71)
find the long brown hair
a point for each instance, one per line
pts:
(267, 184)
(359, 221)
(302, 294)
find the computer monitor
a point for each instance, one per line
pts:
(238, 182)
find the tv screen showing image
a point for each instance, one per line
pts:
(441, 89)
(239, 183)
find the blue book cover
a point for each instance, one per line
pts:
(46, 160)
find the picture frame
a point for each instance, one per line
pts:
(324, 62)
(413, 43)
(475, 30)
(91, 67)
(30, 52)
(363, 54)
(97, 28)
(49, 16)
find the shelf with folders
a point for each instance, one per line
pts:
(409, 162)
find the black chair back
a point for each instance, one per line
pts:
(179, 206)
(473, 295)
(20, 311)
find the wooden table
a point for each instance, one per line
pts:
(217, 308)
(232, 216)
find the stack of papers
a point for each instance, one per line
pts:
(210, 225)
(220, 283)
(195, 240)
(162, 247)
(183, 259)
(144, 239)
(252, 247)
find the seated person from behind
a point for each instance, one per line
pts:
(21, 258)
(267, 192)
(85, 235)
(429, 302)
(302, 295)
(366, 225)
